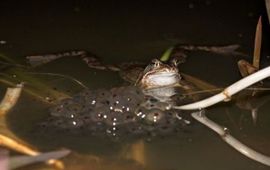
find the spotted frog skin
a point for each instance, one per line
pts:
(159, 74)
(127, 109)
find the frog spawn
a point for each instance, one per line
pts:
(115, 112)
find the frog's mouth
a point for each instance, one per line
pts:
(162, 79)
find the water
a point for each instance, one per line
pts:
(120, 32)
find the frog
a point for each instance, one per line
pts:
(142, 107)
(138, 109)
(158, 75)
(130, 71)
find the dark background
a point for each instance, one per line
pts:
(122, 28)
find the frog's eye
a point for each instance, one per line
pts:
(156, 62)
(174, 62)
(177, 59)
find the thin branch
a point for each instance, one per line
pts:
(229, 91)
(236, 144)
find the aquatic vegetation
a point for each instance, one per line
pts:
(167, 54)
(226, 94)
(250, 77)
(7, 162)
(33, 86)
(126, 106)
(9, 140)
(50, 157)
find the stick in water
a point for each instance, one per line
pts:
(236, 144)
(226, 94)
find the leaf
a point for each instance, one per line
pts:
(166, 55)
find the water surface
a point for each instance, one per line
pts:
(118, 32)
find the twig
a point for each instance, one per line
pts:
(229, 91)
(19, 161)
(22, 148)
(9, 100)
(236, 144)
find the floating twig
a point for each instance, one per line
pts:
(236, 144)
(9, 100)
(226, 94)
(23, 148)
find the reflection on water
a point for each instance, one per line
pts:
(139, 33)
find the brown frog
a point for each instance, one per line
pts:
(159, 74)
(142, 108)
(139, 109)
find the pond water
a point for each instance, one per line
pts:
(137, 31)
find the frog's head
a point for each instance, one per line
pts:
(158, 74)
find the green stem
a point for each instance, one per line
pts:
(166, 55)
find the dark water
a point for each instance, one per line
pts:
(127, 31)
